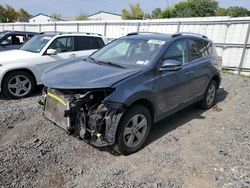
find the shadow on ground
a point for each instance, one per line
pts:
(181, 118)
(37, 92)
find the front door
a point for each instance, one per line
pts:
(174, 87)
(64, 47)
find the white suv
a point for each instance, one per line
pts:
(21, 70)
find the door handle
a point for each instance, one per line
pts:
(189, 72)
(72, 55)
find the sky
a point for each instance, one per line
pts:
(77, 7)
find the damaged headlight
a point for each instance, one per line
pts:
(114, 106)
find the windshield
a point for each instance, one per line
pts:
(36, 43)
(129, 52)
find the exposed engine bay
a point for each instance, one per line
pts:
(84, 113)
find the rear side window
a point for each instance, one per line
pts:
(88, 43)
(209, 47)
(198, 49)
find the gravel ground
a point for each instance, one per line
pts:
(191, 149)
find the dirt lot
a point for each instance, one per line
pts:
(192, 148)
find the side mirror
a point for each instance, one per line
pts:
(51, 52)
(170, 65)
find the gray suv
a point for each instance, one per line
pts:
(113, 97)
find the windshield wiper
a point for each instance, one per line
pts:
(105, 62)
(91, 58)
(110, 63)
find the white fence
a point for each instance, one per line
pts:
(231, 35)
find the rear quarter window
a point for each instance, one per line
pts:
(199, 49)
(88, 43)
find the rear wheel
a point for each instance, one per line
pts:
(18, 84)
(133, 130)
(210, 96)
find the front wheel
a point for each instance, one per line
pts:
(18, 84)
(210, 96)
(133, 130)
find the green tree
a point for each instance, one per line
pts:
(237, 11)
(135, 12)
(221, 12)
(23, 15)
(56, 17)
(3, 15)
(81, 17)
(184, 9)
(156, 13)
(168, 13)
(11, 13)
(204, 8)
(192, 8)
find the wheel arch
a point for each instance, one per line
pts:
(19, 69)
(147, 104)
(216, 78)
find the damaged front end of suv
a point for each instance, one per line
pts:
(84, 113)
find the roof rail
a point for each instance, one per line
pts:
(143, 32)
(188, 33)
(89, 33)
(50, 32)
(60, 33)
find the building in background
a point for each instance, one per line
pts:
(41, 18)
(102, 15)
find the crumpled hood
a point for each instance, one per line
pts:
(12, 56)
(81, 74)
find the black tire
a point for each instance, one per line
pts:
(205, 104)
(143, 113)
(9, 93)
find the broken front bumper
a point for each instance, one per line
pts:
(96, 127)
(55, 107)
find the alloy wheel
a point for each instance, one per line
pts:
(19, 85)
(135, 130)
(211, 94)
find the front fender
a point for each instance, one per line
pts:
(5, 69)
(129, 97)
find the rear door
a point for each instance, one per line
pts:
(174, 88)
(200, 59)
(86, 45)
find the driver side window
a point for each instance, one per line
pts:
(63, 44)
(177, 51)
